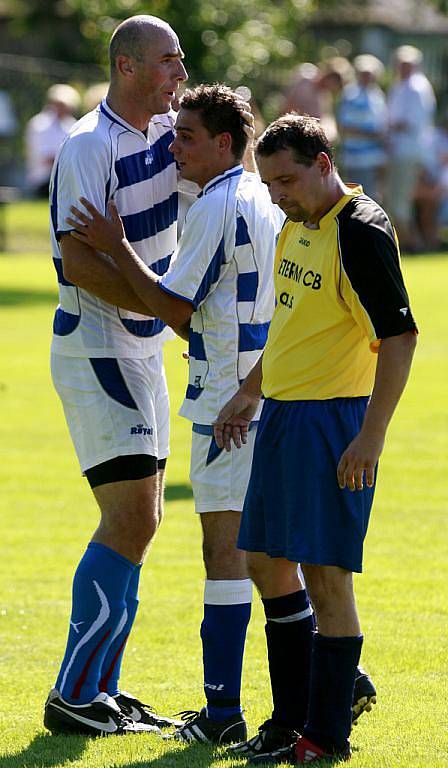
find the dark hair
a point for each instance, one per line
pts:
(301, 133)
(220, 110)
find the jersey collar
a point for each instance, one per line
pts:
(351, 190)
(114, 118)
(237, 170)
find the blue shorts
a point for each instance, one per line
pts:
(294, 507)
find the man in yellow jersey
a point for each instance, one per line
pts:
(337, 359)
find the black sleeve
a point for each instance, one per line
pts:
(370, 258)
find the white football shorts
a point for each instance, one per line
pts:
(219, 479)
(113, 407)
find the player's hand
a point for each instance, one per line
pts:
(101, 233)
(249, 120)
(358, 462)
(233, 421)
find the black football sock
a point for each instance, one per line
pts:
(333, 668)
(289, 631)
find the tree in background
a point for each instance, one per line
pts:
(252, 43)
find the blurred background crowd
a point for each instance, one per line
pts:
(374, 72)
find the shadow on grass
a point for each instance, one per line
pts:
(197, 755)
(11, 297)
(45, 751)
(178, 491)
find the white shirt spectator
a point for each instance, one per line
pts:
(411, 104)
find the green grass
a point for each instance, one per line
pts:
(47, 515)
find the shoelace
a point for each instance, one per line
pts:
(123, 719)
(188, 715)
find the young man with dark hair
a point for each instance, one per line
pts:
(107, 365)
(336, 362)
(218, 293)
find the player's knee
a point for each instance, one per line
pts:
(222, 560)
(329, 588)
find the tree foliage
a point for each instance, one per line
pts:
(238, 42)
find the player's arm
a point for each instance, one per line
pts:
(394, 363)
(373, 288)
(97, 273)
(232, 422)
(107, 235)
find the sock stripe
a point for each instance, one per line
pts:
(101, 619)
(83, 676)
(105, 679)
(294, 617)
(228, 592)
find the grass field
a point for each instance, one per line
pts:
(48, 514)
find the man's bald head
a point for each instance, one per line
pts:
(133, 36)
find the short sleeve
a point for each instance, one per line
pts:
(371, 281)
(83, 169)
(200, 257)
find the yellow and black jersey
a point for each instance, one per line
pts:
(339, 291)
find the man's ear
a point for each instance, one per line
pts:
(224, 141)
(324, 163)
(125, 66)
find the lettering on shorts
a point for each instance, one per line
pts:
(139, 429)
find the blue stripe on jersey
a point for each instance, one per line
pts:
(193, 392)
(144, 165)
(242, 233)
(196, 346)
(64, 322)
(143, 328)
(211, 276)
(238, 172)
(59, 267)
(252, 336)
(139, 226)
(161, 266)
(111, 379)
(247, 286)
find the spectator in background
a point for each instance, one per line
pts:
(431, 193)
(45, 133)
(8, 126)
(94, 95)
(411, 107)
(314, 90)
(362, 124)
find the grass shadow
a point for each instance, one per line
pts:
(45, 751)
(12, 297)
(197, 755)
(178, 491)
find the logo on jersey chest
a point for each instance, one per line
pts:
(299, 274)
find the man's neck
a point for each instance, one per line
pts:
(336, 190)
(128, 110)
(219, 171)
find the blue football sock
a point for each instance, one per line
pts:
(110, 671)
(98, 604)
(227, 607)
(289, 635)
(333, 667)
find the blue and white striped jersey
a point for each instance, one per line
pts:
(223, 266)
(103, 158)
(362, 109)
